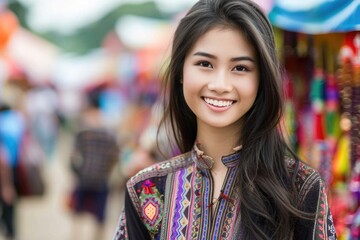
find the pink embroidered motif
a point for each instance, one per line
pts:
(152, 204)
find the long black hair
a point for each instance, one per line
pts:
(268, 193)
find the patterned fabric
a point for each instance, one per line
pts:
(184, 185)
(152, 204)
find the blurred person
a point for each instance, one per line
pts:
(12, 128)
(7, 196)
(94, 155)
(42, 106)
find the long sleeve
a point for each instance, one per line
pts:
(315, 201)
(130, 226)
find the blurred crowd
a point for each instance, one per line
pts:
(110, 123)
(103, 141)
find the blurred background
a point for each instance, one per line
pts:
(82, 78)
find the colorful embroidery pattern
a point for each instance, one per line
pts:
(181, 198)
(322, 228)
(197, 206)
(121, 233)
(152, 205)
(321, 213)
(230, 209)
(173, 200)
(157, 170)
(305, 178)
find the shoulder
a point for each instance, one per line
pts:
(147, 189)
(306, 177)
(161, 169)
(153, 178)
(312, 199)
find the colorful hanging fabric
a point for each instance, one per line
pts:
(320, 156)
(348, 152)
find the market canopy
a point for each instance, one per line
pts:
(316, 16)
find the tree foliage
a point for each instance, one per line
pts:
(91, 35)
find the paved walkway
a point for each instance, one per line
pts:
(47, 218)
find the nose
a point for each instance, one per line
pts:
(220, 83)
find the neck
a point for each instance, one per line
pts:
(217, 143)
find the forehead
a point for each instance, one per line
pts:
(224, 40)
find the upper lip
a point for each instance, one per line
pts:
(227, 102)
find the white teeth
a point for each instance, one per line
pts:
(218, 103)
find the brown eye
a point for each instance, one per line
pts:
(241, 69)
(205, 64)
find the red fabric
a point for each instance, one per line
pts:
(319, 127)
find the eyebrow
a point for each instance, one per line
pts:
(235, 59)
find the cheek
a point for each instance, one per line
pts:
(248, 90)
(253, 89)
(191, 80)
(191, 88)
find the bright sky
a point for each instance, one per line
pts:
(66, 16)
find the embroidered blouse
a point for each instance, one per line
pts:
(174, 199)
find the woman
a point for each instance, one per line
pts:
(236, 178)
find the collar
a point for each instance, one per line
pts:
(204, 161)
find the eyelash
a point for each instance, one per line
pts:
(207, 64)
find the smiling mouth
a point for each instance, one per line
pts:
(218, 103)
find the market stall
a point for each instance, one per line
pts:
(320, 49)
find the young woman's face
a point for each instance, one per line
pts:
(221, 78)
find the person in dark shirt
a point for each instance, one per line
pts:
(94, 156)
